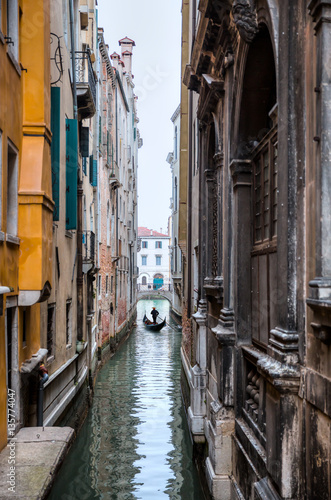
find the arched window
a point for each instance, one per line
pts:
(258, 143)
(144, 280)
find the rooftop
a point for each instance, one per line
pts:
(144, 232)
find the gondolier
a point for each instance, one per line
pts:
(154, 327)
(154, 314)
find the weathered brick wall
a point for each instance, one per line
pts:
(187, 335)
(121, 311)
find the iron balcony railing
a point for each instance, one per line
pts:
(88, 246)
(84, 72)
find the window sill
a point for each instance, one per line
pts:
(14, 61)
(68, 346)
(12, 239)
(69, 234)
(2, 236)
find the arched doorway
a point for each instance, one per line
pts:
(157, 281)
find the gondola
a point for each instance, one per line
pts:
(154, 327)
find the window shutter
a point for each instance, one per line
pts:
(55, 148)
(91, 169)
(84, 143)
(71, 173)
(95, 174)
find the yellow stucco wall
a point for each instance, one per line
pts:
(11, 130)
(35, 183)
(25, 121)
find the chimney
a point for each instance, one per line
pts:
(115, 59)
(126, 45)
(161, 230)
(151, 232)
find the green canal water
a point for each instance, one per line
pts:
(135, 443)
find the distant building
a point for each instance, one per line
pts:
(175, 251)
(153, 259)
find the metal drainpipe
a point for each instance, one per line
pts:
(189, 208)
(116, 218)
(40, 404)
(79, 188)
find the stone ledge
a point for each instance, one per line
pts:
(39, 452)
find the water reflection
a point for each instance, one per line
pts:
(134, 443)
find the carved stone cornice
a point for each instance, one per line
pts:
(320, 10)
(241, 172)
(217, 9)
(284, 377)
(214, 287)
(212, 90)
(245, 18)
(218, 159)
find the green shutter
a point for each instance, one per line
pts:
(55, 148)
(91, 169)
(135, 133)
(71, 173)
(95, 173)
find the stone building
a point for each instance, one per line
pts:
(255, 106)
(127, 142)
(153, 259)
(175, 251)
(117, 195)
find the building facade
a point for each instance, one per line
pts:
(153, 260)
(255, 132)
(175, 251)
(68, 236)
(26, 204)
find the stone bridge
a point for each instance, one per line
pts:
(150, 294)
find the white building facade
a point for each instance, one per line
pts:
(153, 260)
(175, 251)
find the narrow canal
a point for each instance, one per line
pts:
(135, 443)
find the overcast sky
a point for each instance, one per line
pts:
(155, 26)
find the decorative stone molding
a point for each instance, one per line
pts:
(320, 10)
(320, 294)
(245, 18)
(213, 287)
(285, 378)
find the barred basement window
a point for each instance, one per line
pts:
(51, 313)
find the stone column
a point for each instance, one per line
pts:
(241, 171)
(320, 287)
(197, 410)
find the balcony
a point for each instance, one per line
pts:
(114, 176)
(88, 250)
(86, 84)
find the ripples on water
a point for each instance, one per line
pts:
(134, 443)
